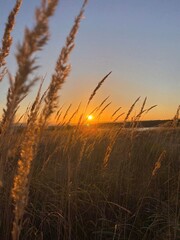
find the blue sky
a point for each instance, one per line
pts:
(138, 40)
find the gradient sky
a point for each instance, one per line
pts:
(138, 40)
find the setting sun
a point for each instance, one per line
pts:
(90, 117)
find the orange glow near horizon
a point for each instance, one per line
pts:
(158, 113)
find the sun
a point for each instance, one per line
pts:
(90, 117)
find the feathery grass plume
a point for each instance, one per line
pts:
(157, 165)
(7, 38)
(33, 41)
(143, 105)
(130, 110)
(62, 70)
(141, 110)
(151, 108)
(100, 105)
(96, 89)
(59, 115)
(74, 114)
(136, 119)
(116, 111)
(118, 117)
(67, 111)
(58, 112)
(3, 73)
(80, 121)
(115, 135)
(113, 138)
(145, 111)
(82, 151)
(20, 187)
(101, 112)
(175, 121)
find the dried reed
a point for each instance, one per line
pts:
(158, 163)
(7, 38)
(100, 105)
(66, 112)
(116, 111)
(130, 110)
(20, 188)
(96, 89)
(62, 70)
(121, 114)
(176, 118)
(74, 114)
(101, 112)
(33, 41)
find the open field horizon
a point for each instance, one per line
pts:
(81, 156)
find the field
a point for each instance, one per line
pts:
(75, 194)
(83, 181)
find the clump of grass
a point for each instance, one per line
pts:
(62, 70)
(33, 41)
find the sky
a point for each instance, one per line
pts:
(139, 41)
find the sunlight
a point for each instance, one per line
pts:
(90, 117)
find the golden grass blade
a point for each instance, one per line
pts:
(3, 73)
(62, 69)
(97, 88)
(7, 38)
(130, 110)
(141, 110)
(33, 41)
(59, 115)
(175, 121)
(136, 119)
(157, 165)
(100, 105)
(116, 111)
(67, 111)
(149, 109)
(115, 120)
(20, 189)
(101, 112)
(143, 105)
(58, 112)
(74, 114)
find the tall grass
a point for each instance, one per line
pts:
(7, 38)
(85, 181)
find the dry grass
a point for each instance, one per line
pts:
(7, 38)
(81, 182)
